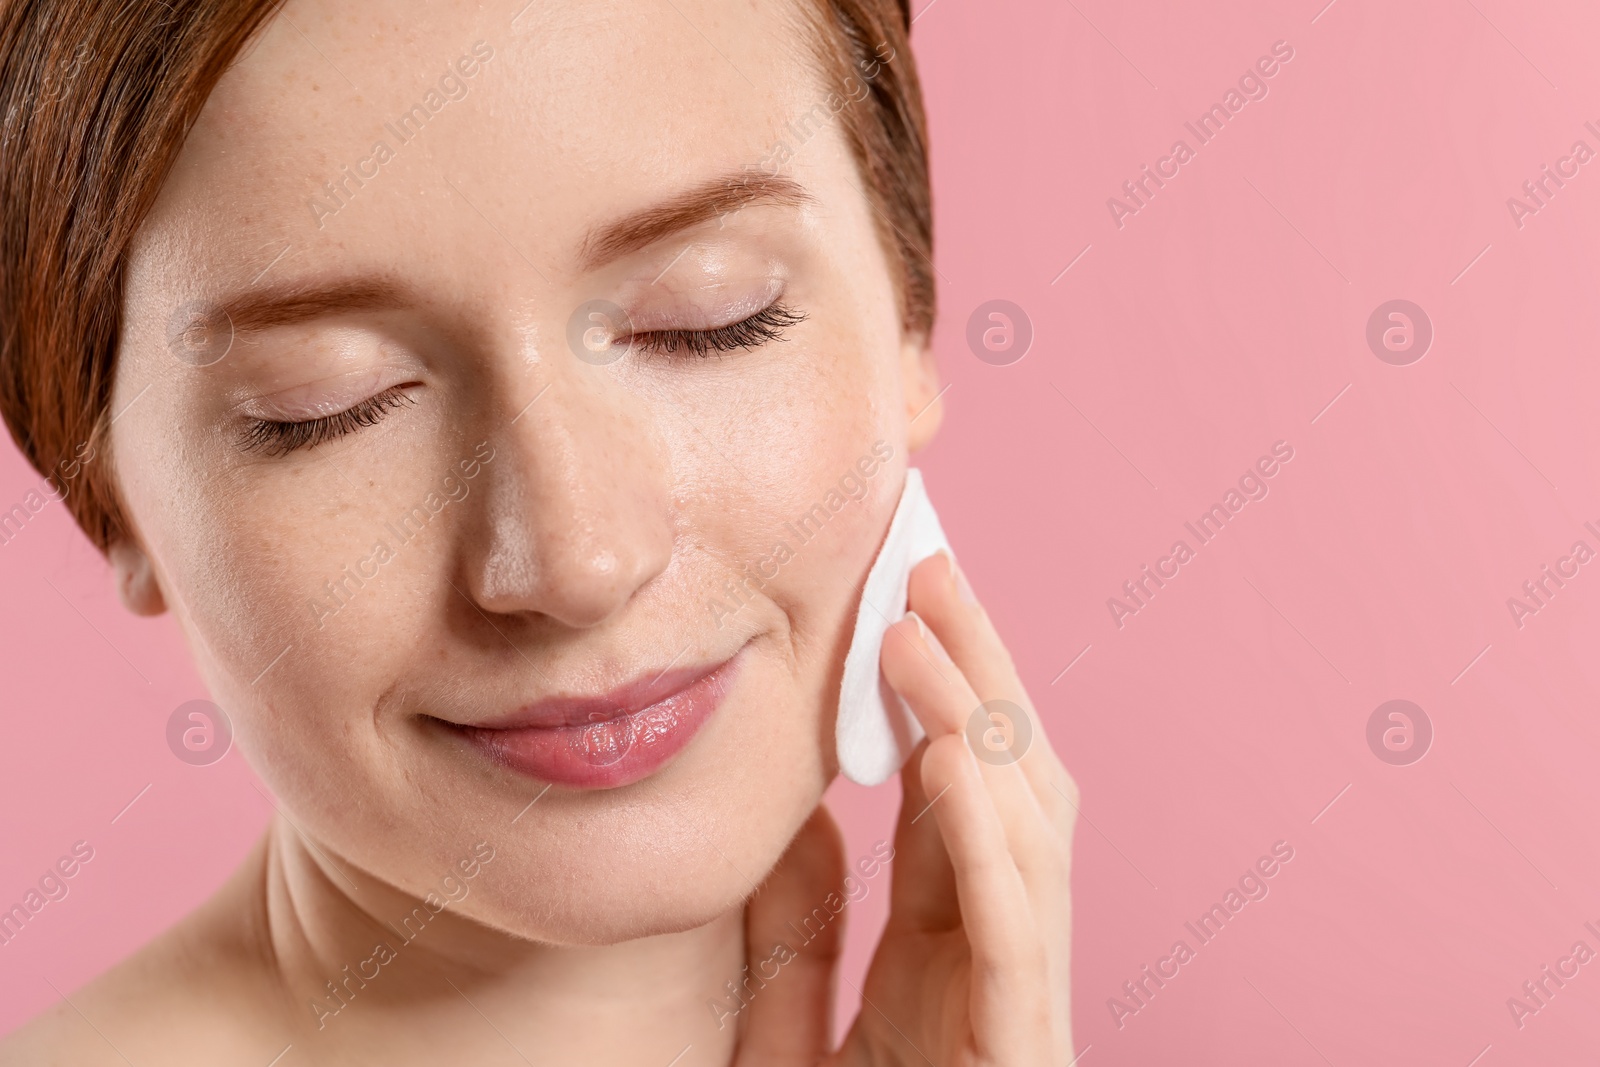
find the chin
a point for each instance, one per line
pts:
(589, 906)
(653, 862)
(628, 919)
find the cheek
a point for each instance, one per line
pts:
(789, 512)
(294, 591)
(780, 547)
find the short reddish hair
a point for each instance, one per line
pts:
(96, 99)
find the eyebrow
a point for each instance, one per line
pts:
(702, 203)
(298, 302)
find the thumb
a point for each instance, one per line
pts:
(792, 942)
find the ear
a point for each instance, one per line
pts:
(919, 378)
(136, 579)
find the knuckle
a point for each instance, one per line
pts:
(1049, 870)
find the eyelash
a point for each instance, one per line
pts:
(765, 325)
(276, 438)
(280, 438)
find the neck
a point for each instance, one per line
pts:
(364, 965)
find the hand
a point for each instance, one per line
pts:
(973, 967)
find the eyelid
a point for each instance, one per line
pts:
(753, 331)
(682, 312)
(275, 437)
(313, 400)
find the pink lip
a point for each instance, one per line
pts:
(610, 740)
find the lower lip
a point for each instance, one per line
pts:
(616, 752)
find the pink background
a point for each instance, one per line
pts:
(1226, 715)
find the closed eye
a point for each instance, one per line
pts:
(768, 324)
(277, 438)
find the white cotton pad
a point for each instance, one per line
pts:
(875, 730)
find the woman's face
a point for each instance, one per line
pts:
(483, 243)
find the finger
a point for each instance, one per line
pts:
(966, 632)
(922, 885)
(1010, 995)
(789, 984)
(961, 624)
(1036, 831)
(945, 703)
(939, 694)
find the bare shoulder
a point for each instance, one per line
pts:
(200, 993)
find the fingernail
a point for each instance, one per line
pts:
(929, 639)
(922, 627)
(958, 578)
(972, 753)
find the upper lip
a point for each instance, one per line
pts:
(579, 710)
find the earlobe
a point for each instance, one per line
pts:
(136, 579)
(919, 375)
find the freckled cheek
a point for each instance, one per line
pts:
(834, 537)
(255, 576)
(808, 535)
(301, 669)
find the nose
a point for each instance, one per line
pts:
(576, 514)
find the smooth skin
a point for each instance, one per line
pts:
(622, 500)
